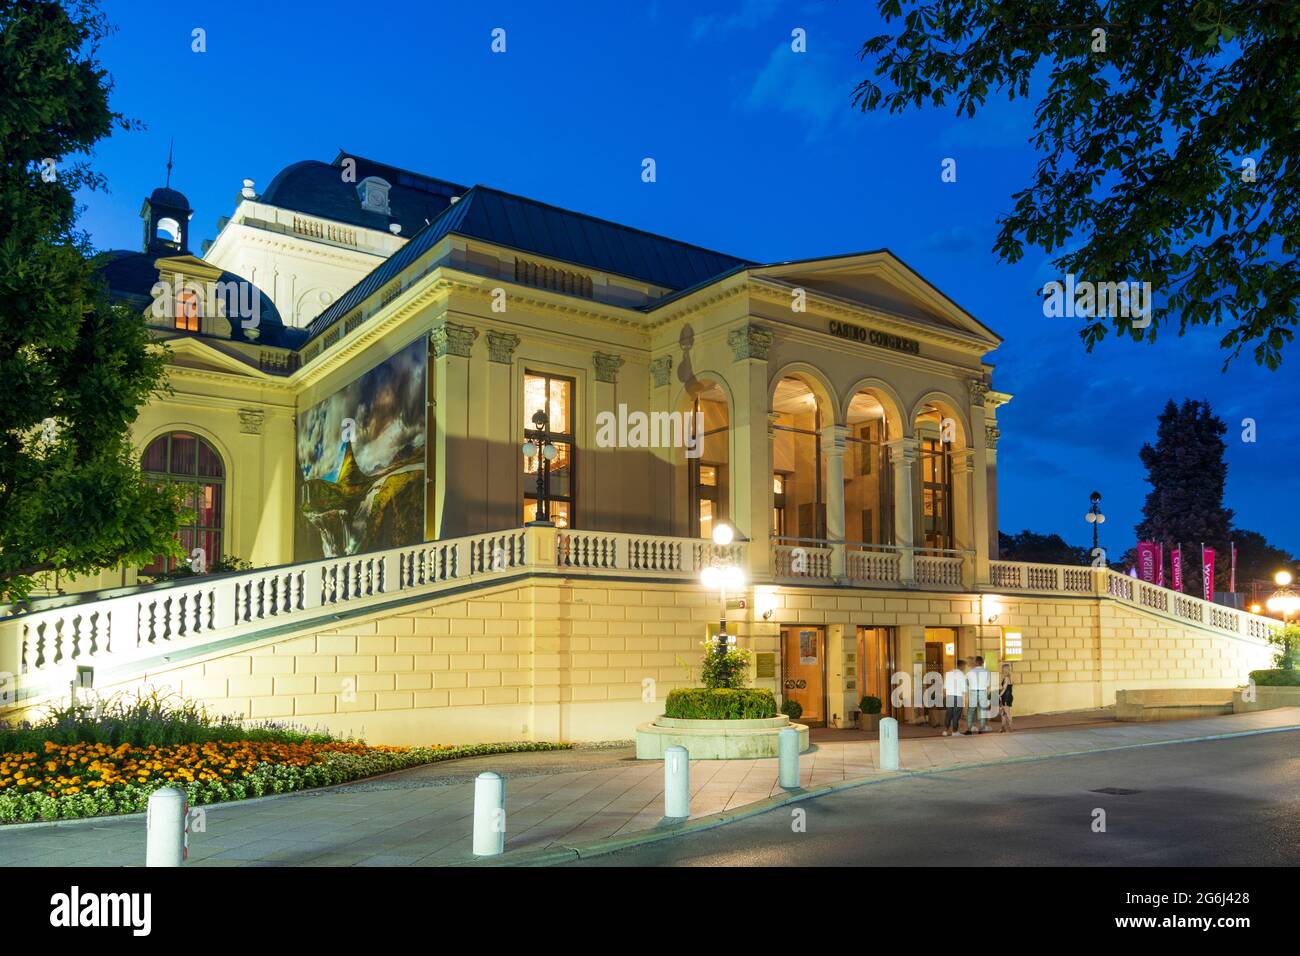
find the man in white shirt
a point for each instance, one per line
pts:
(954, 693)
(978, 682)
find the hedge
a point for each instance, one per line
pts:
(703, 703)
(1276, 678)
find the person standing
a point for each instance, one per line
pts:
(977, 697)
(954, 694)
(1005, 699)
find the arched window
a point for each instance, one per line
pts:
(706, 464)
(181, 458)
(798, 466)
(868, 478)
(938, 435)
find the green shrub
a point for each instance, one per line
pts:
(870, 705)
(725, 668)
(1287, 641)
(1281, 677)
(792, 709)
(720, 703)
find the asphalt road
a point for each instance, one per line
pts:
(1217, 803)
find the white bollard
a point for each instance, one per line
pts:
(677, 783)
(489, 814)
(888, 744)
(166, 840)
(789, 750)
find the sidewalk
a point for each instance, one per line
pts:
(423, 816)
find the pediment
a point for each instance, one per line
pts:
(191, 352)
(188, 265)
(880, 281)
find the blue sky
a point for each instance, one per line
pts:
(759, 153)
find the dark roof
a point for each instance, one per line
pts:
(527, 225)
(319, 189)
(163, 196)
(131, 276)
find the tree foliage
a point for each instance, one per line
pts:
(1148, 112)
(74, 369)
(1039, 549)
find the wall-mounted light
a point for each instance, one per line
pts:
(992, 609)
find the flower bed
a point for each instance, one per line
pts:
(70, 781)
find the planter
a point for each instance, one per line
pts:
(869, 722)
(715, 739)
(1266, 697)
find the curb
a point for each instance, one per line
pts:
(567, 853)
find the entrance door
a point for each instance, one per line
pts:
(877, 650)
(803, 671)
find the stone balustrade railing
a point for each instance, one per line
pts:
(1015, 576)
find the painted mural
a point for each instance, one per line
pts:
(361, 462)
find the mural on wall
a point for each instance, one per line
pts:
(361, 462)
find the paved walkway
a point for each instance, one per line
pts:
(423, 816)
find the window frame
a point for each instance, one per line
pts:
(569, 438)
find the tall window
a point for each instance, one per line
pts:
(180, 458)
(936, 493)
(798, 466)
(707, 472)
(868, 488)
(555, 396)
(187, 310)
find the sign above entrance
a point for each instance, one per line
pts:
(884, 340)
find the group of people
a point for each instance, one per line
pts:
(969, 687)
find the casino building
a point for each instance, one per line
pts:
(356, 361)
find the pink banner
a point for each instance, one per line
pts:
(1207, 572)
(1146, 561)
(1160, 565)
(1176, 565)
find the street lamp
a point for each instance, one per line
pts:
(537, 441)
(1094, 517)
(722, 574)
(1284, 601)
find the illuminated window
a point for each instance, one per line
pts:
(554, 395)
(936, 493)
(187, 310)
(707, 473)
(799, 510)
(180, 458)
(868, 488)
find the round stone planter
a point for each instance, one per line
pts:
(715, 739)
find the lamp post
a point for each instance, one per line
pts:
(722, 574)
(538, 444)
(1284, 601)
(1094, 517)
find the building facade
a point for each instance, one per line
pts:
(357, 360)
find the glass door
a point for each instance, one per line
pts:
(803, 671)
(876, 662)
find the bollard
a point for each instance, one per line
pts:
(489, 814)
(789, 749)
(677, 783)
(165, 841)
(888, 744)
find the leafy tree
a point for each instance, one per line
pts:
(74, 369)
(1149, 112)
(1257, 560)
(1039, 549)
(1186, 471)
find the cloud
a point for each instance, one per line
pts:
(802, 85)
(750, 14)
(952, 239)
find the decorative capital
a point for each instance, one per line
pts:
(452, 339)
(607, 366)
(903, 451)
(991, 436)
(501, 347)
(978, 389)
(251, 420)
(834, 440)
(750, 342)
(661, 369)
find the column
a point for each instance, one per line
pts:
(751, 446)
(603, 509)
(450, 346)
(668, 494)
(903, 455)
(991, 436)
(982, 533)
(832, 439)
(504, 506)
(965, 518)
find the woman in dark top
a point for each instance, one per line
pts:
(1005, 700)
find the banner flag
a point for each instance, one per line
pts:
(1207, 572)
(1176, 563)
(1160, 565)
(1147, 561)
